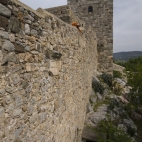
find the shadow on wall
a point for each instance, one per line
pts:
(84, 140)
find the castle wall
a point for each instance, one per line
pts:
(46, 69)
(65, 13)
(101, 20)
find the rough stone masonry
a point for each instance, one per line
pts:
(46, 69)
(97, 14)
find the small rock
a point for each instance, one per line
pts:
(4, 22)
(42, 117)
(122, 127)
(17, 112)
(19, 101)
(130, 124)
(136, 116)
(31, 14)
(25, 84)
(99, 96)
(20, 16)
(8, 46)
(35, 52)
(1, 110)
(89, 108)
(11, 57)
(27, 48)
(2, 92)
(10, 7)
(15, 9)
(28, 21)
(14, 25)
(21, 9)
(93, 99)
(15, 78)
(33, 32)
(4, 11)
(4, 35)
(29, 17)
(10, 89)
(1, 55)
(19, 48)
(27, 29)
(12, 37)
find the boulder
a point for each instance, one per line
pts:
(4, 35)
(8, 46)
(136, 116)
(131, 127)
(4, 11)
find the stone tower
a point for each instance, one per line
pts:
(99, 15)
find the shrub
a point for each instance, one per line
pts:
(97, 86)
(107, 78)
(108, 132)
(117, 74)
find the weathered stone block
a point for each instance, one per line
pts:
(19, 48)
(14, 25)
(11, 57)
(4, 22)
(54, 55)
(8, 46)
(20, 16)
(54, 67)
(58, 63)
(52, 64)
(17, 112)
(4, 11)
(34, 32)
(4, 35)
(27, 29)
(12, 37)
(54, 71)
(28, 67)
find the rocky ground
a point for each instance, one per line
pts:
(110, 106)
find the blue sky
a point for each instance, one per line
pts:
(127, 27)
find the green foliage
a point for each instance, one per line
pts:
(117, 88)
(117, 74)
(134, 75)
(108, 132)
(107, 78)
(97, 86)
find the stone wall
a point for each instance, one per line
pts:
(99, 15)
(65, 13)
(46, 69)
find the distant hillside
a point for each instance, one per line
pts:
(125, 56)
